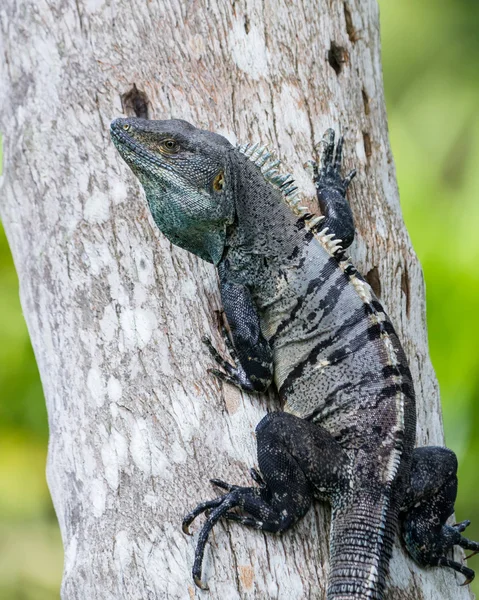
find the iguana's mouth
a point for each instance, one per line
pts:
(127, 145)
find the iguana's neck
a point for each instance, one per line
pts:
(264, 225)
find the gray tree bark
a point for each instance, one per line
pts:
(116, 313)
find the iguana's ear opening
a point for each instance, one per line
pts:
(219, 182)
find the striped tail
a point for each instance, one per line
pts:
(362, 537)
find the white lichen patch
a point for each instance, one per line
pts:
(291, 584)
(110, 465)
(96, 386)
(114, 389)
(88, 466)
(151, 500)
(147, 455)
(137, 326)
(97, 208)
(109, 323)
(114, 455)
(144, 267)
(123, 553)
(93, 6)
(248, 50)
(177, 453)
(139, 447)
(71, 551)
(119, 191)
(197, 46)
(163, 351)
(98, 493)
(293, 109)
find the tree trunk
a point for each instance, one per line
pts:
(116, 313)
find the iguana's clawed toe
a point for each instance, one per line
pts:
(221, 484)
(452, 564)
(235, 373)
(349, 177)
(462, 526)
(256, 477)
(329, 172)
(232, 375)
(199, 583)
(216, 355)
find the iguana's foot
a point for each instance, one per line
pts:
(291, 456)
(329, 173)
(429, 503)
(250, 499)
(331, 189)
(235, 374)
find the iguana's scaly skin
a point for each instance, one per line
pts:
(303, 318)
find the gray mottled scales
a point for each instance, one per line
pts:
(303, 319)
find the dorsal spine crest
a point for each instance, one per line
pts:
(268, 164)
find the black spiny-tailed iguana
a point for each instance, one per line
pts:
(302, 317)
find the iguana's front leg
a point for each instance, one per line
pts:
(250, 351)
(331, 190)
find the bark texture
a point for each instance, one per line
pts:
(116, 313)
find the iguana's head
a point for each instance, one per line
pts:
(186, 176)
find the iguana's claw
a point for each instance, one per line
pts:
(349, 177)
(328, 174)
(221, 484)
(199, 583)
(460, 568)
(470, 578)
(460, 527)
(257, 381)
(219, 507)
(201, 508)
(256, 477)
(185, 527)
(465, 543)
(222, 376)
(214, 352)
(228, 367)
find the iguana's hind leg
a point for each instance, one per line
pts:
(331, 190)
(298, 460)
(428, 503)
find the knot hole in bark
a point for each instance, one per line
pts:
(367, 109)
(337, 57)
(368, 149)
(372, 277)
(350, 29)
(406, 288)
(135, 103)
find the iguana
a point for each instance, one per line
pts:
(303, 319)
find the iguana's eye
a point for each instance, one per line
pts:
(126, 127)
(219, 182)
(169, 146)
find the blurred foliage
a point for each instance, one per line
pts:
(31, 551)
(430, 57)
(430, 54)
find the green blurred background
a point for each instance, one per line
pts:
(430, 58)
